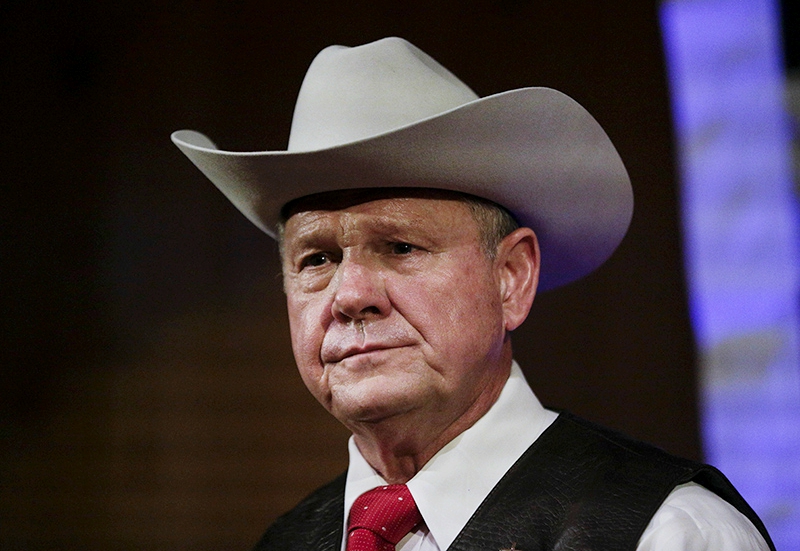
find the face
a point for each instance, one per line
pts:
(395, 310)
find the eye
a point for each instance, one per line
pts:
(402, 248)
(314, 260)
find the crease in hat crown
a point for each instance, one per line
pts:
(350, 94)
(386, 114)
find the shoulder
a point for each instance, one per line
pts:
(613, 449)
(693, 518)
(316, 522)
(663, 487)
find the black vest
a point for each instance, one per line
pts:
(579, 487)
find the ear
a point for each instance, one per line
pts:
(517, 265)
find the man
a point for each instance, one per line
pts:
(416, 223)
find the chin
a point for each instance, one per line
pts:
(371, 407)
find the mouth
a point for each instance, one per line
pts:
(354, 351)
(368, 341)
(360, 351)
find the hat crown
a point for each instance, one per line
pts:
(350, 94)
(387, 115)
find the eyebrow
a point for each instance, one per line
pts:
(390, 226)
(311, 232)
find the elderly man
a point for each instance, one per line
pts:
(416, 223)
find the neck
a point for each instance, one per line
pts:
(397, 448)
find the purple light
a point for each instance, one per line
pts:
(741, 234)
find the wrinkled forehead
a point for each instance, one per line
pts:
(342, 199)
(386, 213)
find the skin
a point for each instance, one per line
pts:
(400, 321)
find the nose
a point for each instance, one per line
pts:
(359, 292)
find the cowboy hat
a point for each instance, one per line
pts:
(388, 115)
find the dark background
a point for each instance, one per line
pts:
(148, 395)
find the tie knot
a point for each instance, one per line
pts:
(386, 511)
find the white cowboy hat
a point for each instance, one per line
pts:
(388, 115)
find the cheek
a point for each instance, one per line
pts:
(456, 310)
(307, 334)
(306, 330)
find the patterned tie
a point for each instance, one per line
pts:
(380, 518)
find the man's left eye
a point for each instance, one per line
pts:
(402, 248)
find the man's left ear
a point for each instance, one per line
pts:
(518, 268)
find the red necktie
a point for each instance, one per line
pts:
(380, 518)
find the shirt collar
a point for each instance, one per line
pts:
(451, 486)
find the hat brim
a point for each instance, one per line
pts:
(534, 151)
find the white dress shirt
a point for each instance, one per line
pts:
(451, 486)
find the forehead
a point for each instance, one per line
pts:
(380, 210)
(341, 199)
